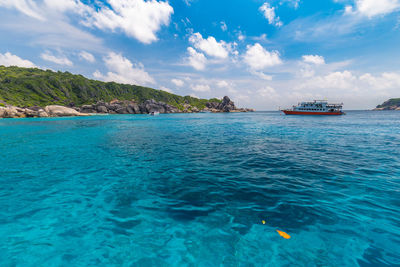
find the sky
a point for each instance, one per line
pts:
(263, 54)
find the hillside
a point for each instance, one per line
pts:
(26, 87)
(391, 104)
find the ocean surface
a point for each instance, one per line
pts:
(193, 190)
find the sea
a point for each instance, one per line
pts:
(201, 190)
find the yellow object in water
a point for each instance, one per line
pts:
(263, 222)
(283, 234)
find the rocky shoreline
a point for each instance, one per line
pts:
(391, 104)
(115, 107)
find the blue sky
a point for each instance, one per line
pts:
(263, 54)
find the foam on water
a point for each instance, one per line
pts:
(192, 190)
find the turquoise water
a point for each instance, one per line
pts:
(192, 190)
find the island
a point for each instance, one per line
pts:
(391, 104)
(33, 92)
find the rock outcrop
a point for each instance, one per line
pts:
(128, 107)
(226, 105)
(38, 112)
(61, 111)
(391, 104)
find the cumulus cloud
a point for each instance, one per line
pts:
(178, 82)
(210, 46)
(269, 14)
(60, 60)
(87, 56)
(338, 80)
(9, 59)
(372, 8)
(123, 70)
(139, 19)
(136, 18)
(386, 80)
(351, 82)
(196, 60)
(258, 58)
(201, 88)
(314, 59)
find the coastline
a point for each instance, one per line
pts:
(116, 107)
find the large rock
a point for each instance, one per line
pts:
(12, 112)
(102, 109)
(122, 110)
(17, 112)
(88, 109)
(134, 107)
(151, 105)
(60, 111)
(226, 105)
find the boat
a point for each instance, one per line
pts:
(317, 107)
(154, 113)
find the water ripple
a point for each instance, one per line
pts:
(192, 190)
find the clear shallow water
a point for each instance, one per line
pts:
(192, 190)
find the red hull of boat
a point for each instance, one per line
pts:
(291, 112)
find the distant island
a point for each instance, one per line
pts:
(32, 92)
(391, 104)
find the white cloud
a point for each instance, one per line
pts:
(261, 38)
(75, 6)
(241, 36)
(258, 58)
(267, 91)
(210, 46)
(222, 84)
(46, 26)
(201, 88)
(187, 2)
(9, 59)
(196, 60)
(261, 75)
(386, 80)
(60, 60)
(224, 27)
(337, 80)
(87, 56)
(27, 7)
(178, 82)
(137, 18)
(372, 8)
(269, 14)
(122, 70)
(314, 59)
(296, 3)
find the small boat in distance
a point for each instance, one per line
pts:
(317, 107)
(155, 113)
